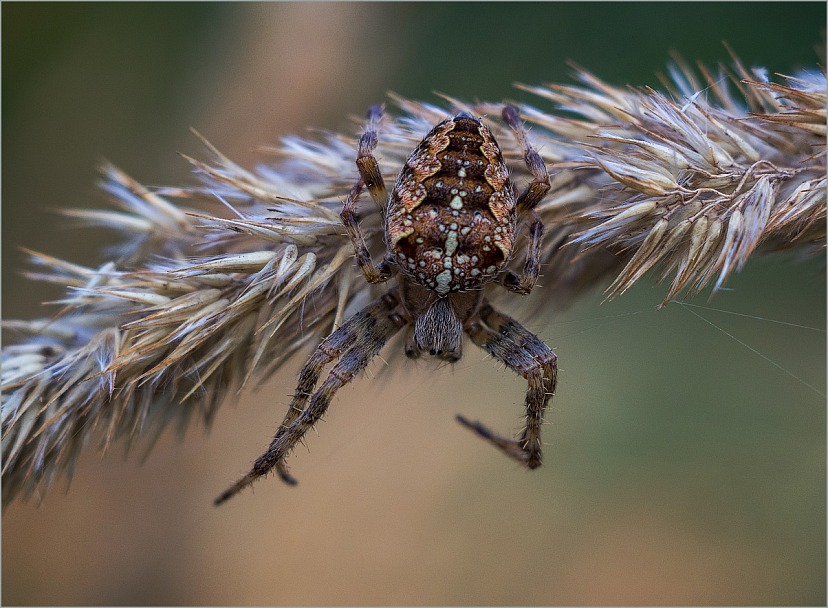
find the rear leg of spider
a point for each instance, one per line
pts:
(539, 186)
(524, 283)
(534, 193)
(526, 354)
(354, 345)
(374, 273)
(366, 161)
(370, 177)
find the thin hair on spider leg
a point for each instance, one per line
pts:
(354, 344)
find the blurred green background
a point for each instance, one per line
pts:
(681, 467)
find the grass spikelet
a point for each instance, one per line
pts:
(206, 292)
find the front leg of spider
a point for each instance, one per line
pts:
(352, 346)
(525, 354)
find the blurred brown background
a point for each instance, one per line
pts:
(681, 467)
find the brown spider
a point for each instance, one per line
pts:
(450, 227)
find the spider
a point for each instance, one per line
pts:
(451, 224)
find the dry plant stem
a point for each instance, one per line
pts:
(206, 292)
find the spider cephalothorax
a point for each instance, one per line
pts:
(451, 223)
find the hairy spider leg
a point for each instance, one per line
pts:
(354, 344)
(524, 283)
(525, 354)
(539, 186)
(526, 202)
(367, 163)
(372, 272)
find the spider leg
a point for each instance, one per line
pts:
(526, 354)
(372, 272)
(366, 161)
(539, 186)
(525, 282)
(354, 344)
(370, 177)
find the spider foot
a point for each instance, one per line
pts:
(513, 448)
(237, 487)
(241, 484)
(284, 474)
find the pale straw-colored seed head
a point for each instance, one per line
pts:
(209, 288)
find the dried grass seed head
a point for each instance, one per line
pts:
(207, 289)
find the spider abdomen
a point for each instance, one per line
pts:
(451, 216)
